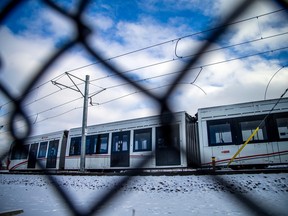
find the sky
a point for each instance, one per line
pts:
(148, 41)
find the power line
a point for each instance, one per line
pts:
(98, 104)
(271, 80)
(149, 78)
(47, 110)
(188, 56)
(177, 39)
(155, 45)
(152, 46)
(45, 119)
(228, 46)
(33, 89)
(150, 89)
(197, 67)
(171, 73)
(162, 43)
(127, 95)
(60, 114)
(201, 68)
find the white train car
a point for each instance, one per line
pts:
(47, 149)
(223, 129)
(126, 144)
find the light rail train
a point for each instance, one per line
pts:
(212, 137)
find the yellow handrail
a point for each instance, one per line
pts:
(242, 147)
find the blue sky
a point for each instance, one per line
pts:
(33, 32)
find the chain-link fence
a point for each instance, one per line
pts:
(81, 37)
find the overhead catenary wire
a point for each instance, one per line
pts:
(175, 72)
(136, 92)
(129, 94)
(45, 119)
(228, 46)
(167, 74)
(102, 103)
(206, 65)
(189, 56)
(58, 77)
(192, 68)
(155, 45)
(47, 110)
(201, 68)
(35, 88)
(179, 38)
(266, 89)
(152, 65)
(61, 75)
(150, 89)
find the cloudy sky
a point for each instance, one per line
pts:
(148, 41)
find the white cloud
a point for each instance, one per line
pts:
(99, 22)
(221, 8)
(21, 57)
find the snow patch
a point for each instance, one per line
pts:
(146, 195)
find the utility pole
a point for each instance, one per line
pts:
(84, 125)
(85, 111)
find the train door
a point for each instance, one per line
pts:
(168, 146)
(120, 156)
(32, 155)
(52, 154)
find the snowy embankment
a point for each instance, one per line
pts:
(146, 195)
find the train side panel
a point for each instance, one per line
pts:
(127, 144)
(223, 130)
(46, 150)
(192, 140)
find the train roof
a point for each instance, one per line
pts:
(45, 137)
(243, 109)
(130, 123)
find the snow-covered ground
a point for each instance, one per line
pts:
(146, 195)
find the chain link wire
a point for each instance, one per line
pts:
(81, 38)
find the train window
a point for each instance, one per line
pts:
(125, 143)
(42, 150)
(97, 144)
(102, 146)
(91, 143)
(142, 140)
(248, 127)
(116, 144)
(120, 141)
(282, 125)
(75, 146)
(19, 153)
(220, 134)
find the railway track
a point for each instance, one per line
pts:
(151, 172)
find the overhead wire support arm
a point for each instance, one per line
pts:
(69, 76)
(97, 92)
(91, 102)
(60, 84)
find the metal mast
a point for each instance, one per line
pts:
(85, 111)
(84, 125)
